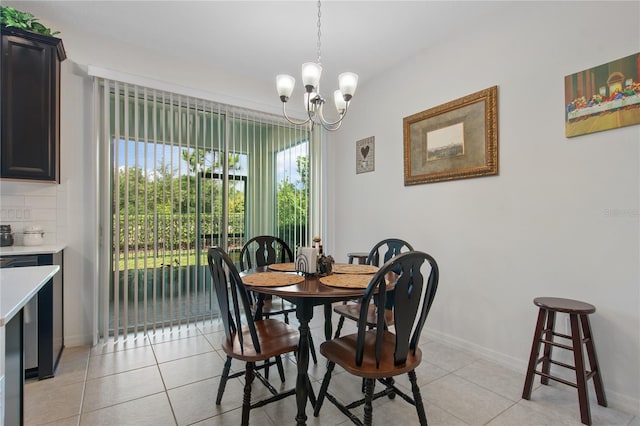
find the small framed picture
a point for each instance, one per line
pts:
(365, 155)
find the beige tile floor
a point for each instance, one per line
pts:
(171, 378)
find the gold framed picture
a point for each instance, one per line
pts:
(365, 155)
(456, 140)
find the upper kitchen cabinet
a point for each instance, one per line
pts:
(30, 147)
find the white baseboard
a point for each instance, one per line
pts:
(79, 340)
(510, 362)
(615, 400)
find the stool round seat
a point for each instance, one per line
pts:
(568, 306)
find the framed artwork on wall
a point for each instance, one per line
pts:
(365, 155)
(603, 97)
(456, 140)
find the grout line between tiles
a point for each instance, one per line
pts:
(164, 385)
(84, 385)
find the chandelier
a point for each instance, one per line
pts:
(314, 102)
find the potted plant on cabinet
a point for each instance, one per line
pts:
(11, 17)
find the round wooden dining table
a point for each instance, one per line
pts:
(305, 294)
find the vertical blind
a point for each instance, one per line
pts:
(179, 174)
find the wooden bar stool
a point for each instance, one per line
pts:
(545, 333)
(362, 257)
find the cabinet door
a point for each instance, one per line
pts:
(30, 87)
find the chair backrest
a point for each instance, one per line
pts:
(232, 296)
(264, 250)
(413, 296)
(387, 249)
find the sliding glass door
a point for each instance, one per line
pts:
(179, 175)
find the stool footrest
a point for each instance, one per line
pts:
(564, 336)
(562, 364)
(560, 345)
(557, 379)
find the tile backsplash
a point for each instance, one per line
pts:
(24, 203)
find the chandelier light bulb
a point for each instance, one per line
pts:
(311, 73)
(341, 104)
(285, 84)
(348, 81)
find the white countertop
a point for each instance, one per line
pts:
(43, 249)
(19, 285)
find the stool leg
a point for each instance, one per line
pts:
(548, 336)
(533, 358)
(593, 360)
(581, 376)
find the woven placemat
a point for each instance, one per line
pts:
(271, 279)
(346, 280)
(282, 267)
(348, 268)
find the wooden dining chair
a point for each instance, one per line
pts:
(380, 253)
(265, 250)
(379, 354)
(246, 339)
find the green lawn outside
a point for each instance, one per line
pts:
(152, 260)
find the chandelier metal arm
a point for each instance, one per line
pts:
(292, 121)
(326, 122)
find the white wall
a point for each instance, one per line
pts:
(547, 225)
(539, 228)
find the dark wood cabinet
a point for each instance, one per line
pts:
(30, 146)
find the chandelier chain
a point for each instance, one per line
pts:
(319, 32)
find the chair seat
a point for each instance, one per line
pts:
(352, 312)
(342, 351)
(276, 338)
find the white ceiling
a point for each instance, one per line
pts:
(263, 38)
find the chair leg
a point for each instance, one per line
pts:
(323, 387)
(312, 394)
(368, 399)
(392, 393)
(223, 380)
(280, 368)
(339, 327)
(246, 400)
(312, 349)
(417, 397)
